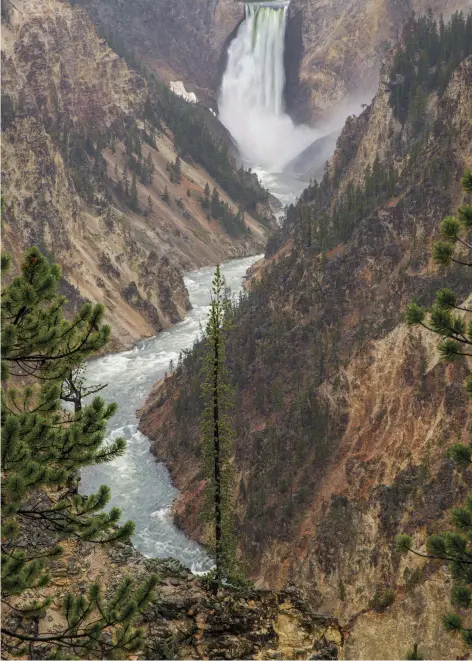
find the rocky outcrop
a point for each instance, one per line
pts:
(186, 620)
(343, 415)
(68, 104)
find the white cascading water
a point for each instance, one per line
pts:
(139, 485)
(251, 100)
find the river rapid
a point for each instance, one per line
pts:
(140, 485)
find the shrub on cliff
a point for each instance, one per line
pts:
(43, 447)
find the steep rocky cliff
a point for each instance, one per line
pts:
(181, 39)
(70, 105)
(339, 45)
(333, 49)
(186, 620)
(343, 416)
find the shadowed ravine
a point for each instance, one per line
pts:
(140, 486)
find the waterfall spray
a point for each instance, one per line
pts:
(251, 102)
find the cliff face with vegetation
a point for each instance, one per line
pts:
(339, 46)
(343, 416)
(181, 39)
(185, 619)
(75, 131)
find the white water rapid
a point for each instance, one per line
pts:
(139, 485)
(251, 100)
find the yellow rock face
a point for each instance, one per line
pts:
(298, 642)
(55, 66)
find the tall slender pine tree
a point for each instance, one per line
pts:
(217, 432)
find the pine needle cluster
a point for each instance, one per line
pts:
(452, 321)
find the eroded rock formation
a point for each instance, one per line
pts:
(69, 103)
(343, 415)
(186, 620)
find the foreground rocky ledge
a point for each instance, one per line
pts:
(187, 621)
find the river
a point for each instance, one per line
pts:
(251, 106)
(286, 187)
(140, 485)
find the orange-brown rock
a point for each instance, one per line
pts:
(61, 87)
(343, 415)
(186, 619)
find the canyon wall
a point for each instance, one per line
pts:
(70, 108)
(333, 48)
(339, 46)
(343, 416)
(180, 39)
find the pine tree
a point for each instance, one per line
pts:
(453, 322)
(152, 136)
(149, 167)
(147, 170)
(125, 182)
(217, 432)
(149, 205)
(206, 197)
(137, 146)
(215, 203)
(43, 447)
(134, 193)
(178, 170)
(129, 146)
(417, 111)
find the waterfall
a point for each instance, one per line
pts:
(251, 100)
(267, 27)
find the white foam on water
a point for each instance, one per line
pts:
(251, 101)
(140, 485)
